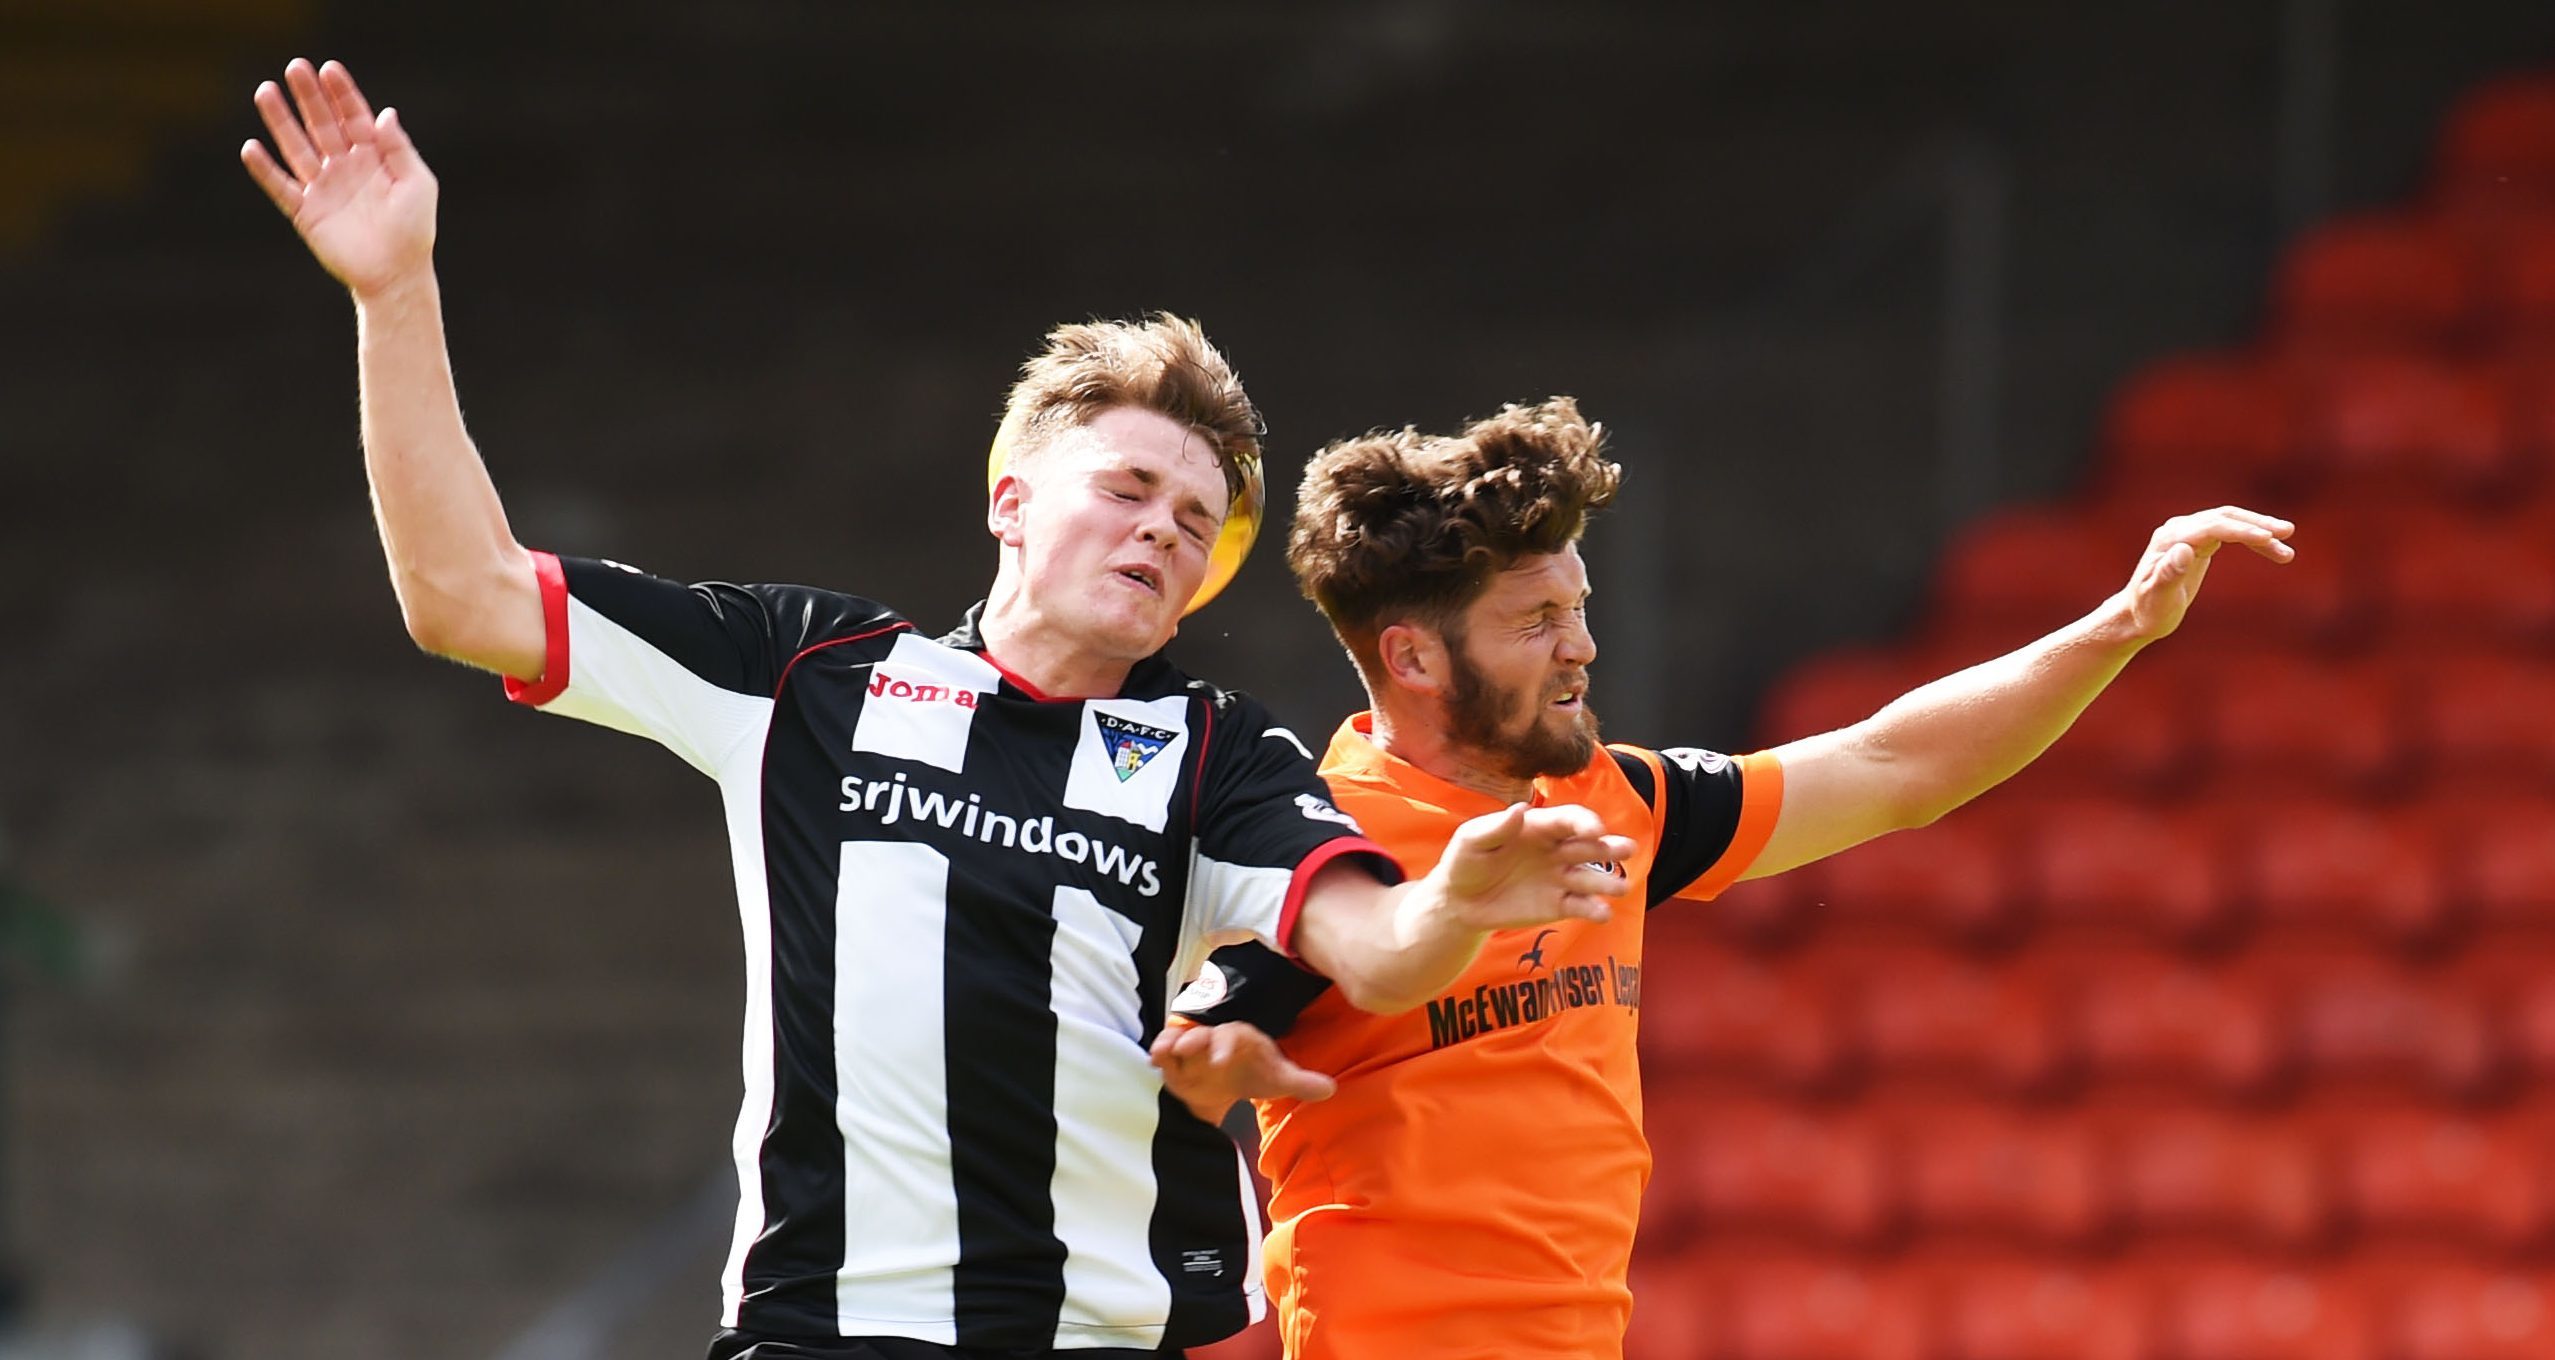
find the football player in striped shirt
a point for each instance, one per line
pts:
(970, 869)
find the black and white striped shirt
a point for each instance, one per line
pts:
(964, 907)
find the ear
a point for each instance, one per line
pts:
(1414, 658)
(1003, 509)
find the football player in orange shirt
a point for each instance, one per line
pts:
(1471, 1188)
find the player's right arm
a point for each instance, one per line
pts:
(363, 200)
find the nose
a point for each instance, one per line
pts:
(1578, 645)
(1159, 527)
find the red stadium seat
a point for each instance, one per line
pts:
(2200, 1175)
(2448, 581)
(2342, 867)
(2280, 719)
(1717, 1012)
(2377, 280)
(2139, 1017)
(1923, 1014)
(2473, 1313)
(2498, 146)
(2136, 738)
(1951, 877)
(1727, 1167)
(1818, 1311)
(2216, 425)
(2018, 1311)
(2097, 863)
(2515, 981)
(2505, 866)
(2316, 599)
(2414, 425)
(2030, 569)
(2484, 719)
(1760, 911)
(2236, 1311)
(1836, 689)
(1672, 1312)
(2358, 1017)
(1972, 1170)
(2420, 1174)
(2524, 283)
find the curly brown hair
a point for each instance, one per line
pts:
(1163, 363)
(1397, 525)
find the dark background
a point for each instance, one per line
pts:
(397, 1013)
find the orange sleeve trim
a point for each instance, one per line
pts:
(553, 679)
(1760, 803)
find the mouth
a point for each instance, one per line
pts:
(1572, 698)
(1146, 577)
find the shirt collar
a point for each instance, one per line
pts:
(1356, 757)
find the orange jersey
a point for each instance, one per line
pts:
(1473, 1188)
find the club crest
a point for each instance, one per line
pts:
(1129, 744)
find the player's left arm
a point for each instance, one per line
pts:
(1944, 743)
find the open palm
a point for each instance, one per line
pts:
(352, 183)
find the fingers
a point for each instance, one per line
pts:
(2265, 534)
(1594, 850)
(398, 154)
(354, 116)
(319, 117)
(281, 190)
(1594, 880)
(1179, 1043)
(1492, 830)
(290, 141)
(1563, 823)
(1212, 1065)
(1587, 907)
(1260, 1068)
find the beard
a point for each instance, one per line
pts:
(1485, 718)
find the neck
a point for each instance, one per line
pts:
(1043, 656)
(1410, 736)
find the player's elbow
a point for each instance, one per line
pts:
(435, 630)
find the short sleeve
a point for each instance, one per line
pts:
(691, 667)
(1265, 826)
(1715, 813)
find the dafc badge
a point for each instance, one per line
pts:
(1129, 744)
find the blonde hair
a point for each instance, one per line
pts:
(1163, 363)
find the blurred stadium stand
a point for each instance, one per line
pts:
(2276, 920)
(430, 1027)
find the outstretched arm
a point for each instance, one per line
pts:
(364, 202)
(1944, 743)
(1390, 949)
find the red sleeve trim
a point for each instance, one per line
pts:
(1760, 804)
(1313, 864)
(554, 636)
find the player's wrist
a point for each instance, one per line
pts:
(396, 291)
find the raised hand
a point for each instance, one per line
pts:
(352, 183)
(1208, 1067)
(2160, 591)
(1526, 866)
